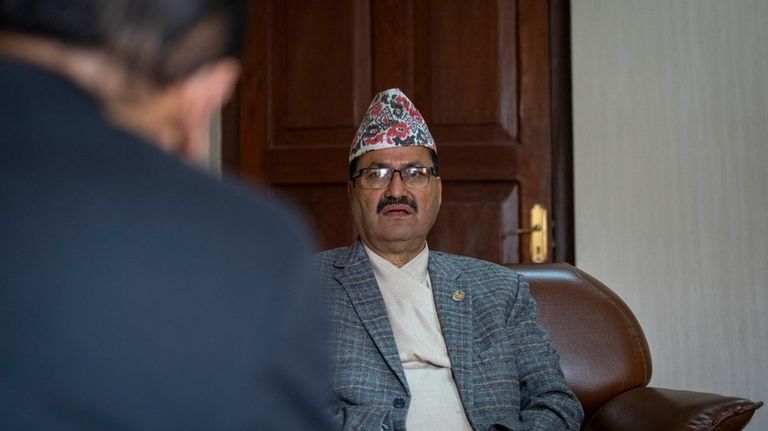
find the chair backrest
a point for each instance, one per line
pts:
(603, 351)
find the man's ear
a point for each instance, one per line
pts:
(202, 93)
(350, 186)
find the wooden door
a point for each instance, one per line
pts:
(479, 72)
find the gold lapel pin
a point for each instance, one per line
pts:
(458, 295)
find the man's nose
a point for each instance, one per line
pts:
(396, 187)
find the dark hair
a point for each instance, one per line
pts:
(159, 40)
(432, 155)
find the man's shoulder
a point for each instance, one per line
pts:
(485, 276)
(472, 265)
(324, 261)
(330, 255)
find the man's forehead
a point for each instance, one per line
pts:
(400, 156)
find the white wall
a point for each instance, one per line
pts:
(671, 180)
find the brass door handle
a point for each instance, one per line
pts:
(538, 232)
(535, 228)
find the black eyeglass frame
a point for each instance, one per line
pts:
(430, 171)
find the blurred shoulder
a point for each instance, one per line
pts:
(269, 224)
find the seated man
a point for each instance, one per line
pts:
(421, 339)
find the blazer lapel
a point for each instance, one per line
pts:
(355, 274)
(453, 301)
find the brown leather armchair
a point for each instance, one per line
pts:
(607, 363)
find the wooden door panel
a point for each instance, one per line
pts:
(319, 82)
(475, 219)
(472, 77)
(478, 71)
(456, 60)
(301, 52)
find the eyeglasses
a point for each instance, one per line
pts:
(379, 178)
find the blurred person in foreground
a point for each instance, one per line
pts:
(425, 340)
(137, 293)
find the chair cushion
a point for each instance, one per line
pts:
(669, 409)
(603, 351)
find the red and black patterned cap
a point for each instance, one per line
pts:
(391, 121)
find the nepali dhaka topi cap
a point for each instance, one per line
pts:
(391, 121)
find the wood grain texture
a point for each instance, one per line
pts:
(471, 213)
(671, 180)
(479, 73)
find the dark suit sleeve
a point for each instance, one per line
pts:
(297, 382)
(546, 401)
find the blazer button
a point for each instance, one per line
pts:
(399, 403)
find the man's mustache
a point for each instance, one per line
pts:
(396, 201)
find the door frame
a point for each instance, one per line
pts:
(561, 122)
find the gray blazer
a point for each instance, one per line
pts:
(506, 371)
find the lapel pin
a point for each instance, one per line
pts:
(458, 295)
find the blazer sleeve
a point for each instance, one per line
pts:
(547, 403)
(346, 417)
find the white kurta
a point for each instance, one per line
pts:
(407, 293)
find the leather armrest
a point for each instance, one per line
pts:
(647, 408)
